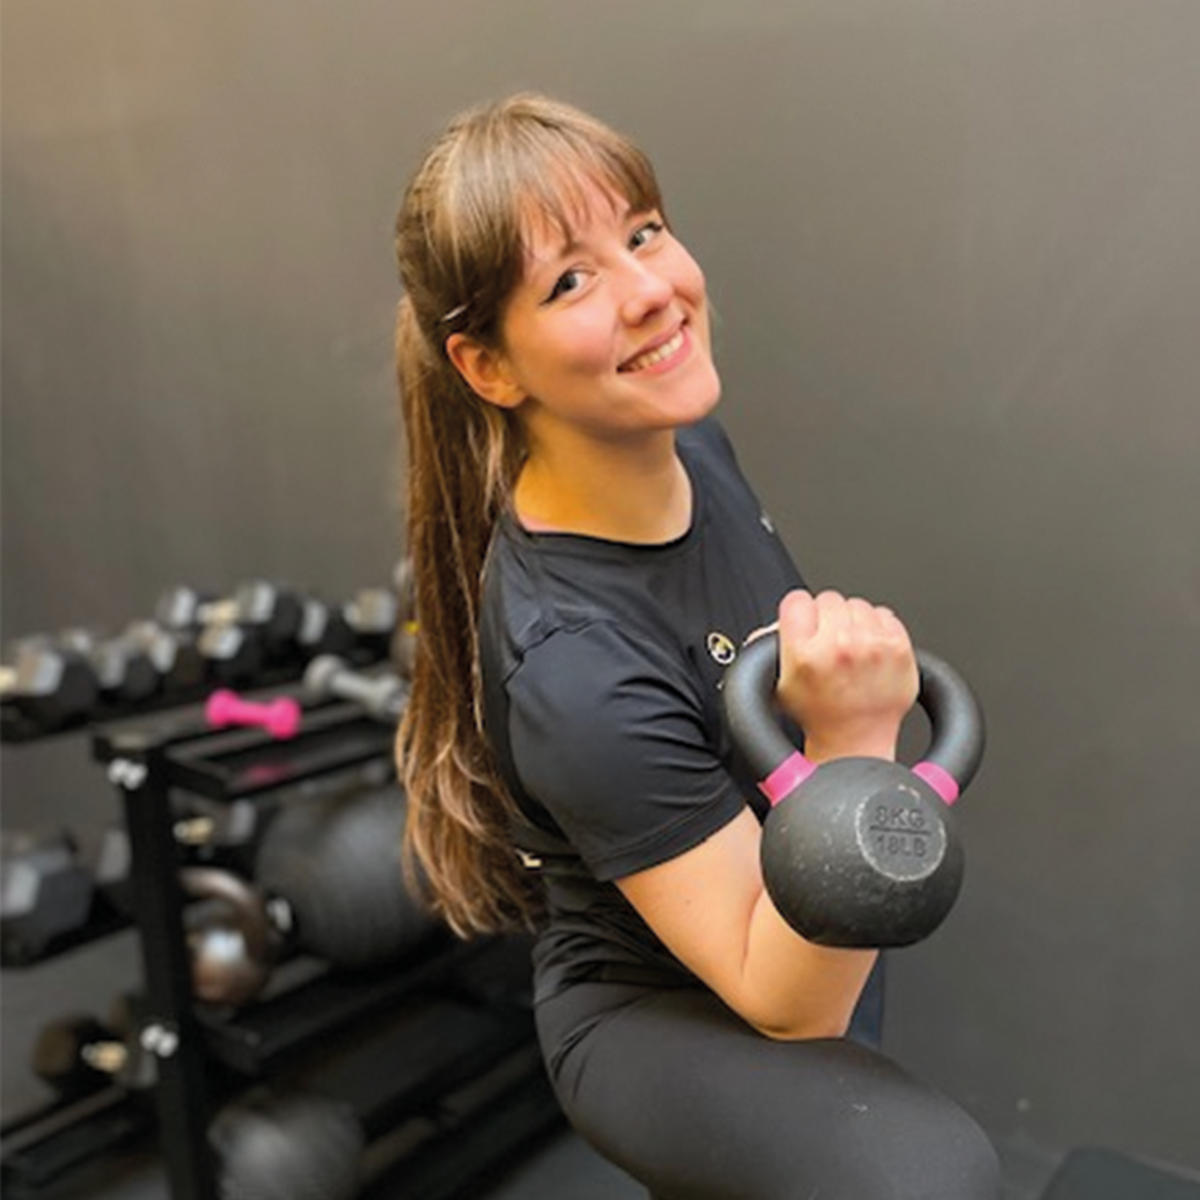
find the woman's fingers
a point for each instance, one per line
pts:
(847, 670)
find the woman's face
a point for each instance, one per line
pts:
(607, 334)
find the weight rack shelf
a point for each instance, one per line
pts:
(17, 728)
(147, 761)
(455, 1013)
(270, 1033)
(104, 919)
(42, 1146)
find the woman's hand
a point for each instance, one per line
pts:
(847, 674)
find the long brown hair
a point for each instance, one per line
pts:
(460, 246)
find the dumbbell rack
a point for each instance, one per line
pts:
(183, 1041)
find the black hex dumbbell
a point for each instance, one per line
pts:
(80, 1053)
(174, 653)
(233, 652)
(123, 668)
(51, 685)
(372, 615)
(258, 624)
(46, 891)
(324, 629)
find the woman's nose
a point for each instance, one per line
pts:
(646, 291)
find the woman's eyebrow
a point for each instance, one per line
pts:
(571, 244)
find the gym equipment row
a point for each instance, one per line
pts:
(303, 1025)
(262, 634)
(53, 900)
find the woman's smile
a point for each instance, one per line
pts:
(664, 354)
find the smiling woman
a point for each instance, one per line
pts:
(604, 345)
(587, 558)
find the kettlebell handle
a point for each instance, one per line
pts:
(242, 900)
(955, 716)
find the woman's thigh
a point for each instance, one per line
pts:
(679, 1092)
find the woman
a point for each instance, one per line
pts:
(587, 559)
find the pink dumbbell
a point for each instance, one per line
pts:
(280, 718)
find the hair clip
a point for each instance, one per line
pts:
(454, 314)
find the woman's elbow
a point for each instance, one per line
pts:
(799, 1027)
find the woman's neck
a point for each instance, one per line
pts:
(637, 492)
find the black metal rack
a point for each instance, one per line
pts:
(410, 1042)
(435, 1051)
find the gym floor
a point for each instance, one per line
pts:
(558, 1167)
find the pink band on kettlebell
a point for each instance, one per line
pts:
(786, 777)
(939, 779)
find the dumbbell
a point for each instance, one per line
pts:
(281, 717)
(122, 667)
(274, 610)
(235, 653)
(258, 622)
(232, 650)
(382, 696)
(324, 629)
(78, 1053)
(49, 684)
(46, 891)
(174, 654)
(858, 851)
(328, 882)
(372, 614)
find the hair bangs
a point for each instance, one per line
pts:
(522, 168)
(562, 167)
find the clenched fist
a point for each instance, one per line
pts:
(847, 674)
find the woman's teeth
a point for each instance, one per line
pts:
(656, 355)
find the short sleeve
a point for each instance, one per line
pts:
(609, 736)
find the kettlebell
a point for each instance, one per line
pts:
(858, 852)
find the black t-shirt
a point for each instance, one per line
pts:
(602, 663)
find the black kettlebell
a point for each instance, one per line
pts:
(328, 882)
(331, 872)
(289, 1145)
(231, 943)
(858, 852)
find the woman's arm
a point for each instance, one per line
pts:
(848, 676)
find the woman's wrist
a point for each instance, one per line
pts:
(819, 750)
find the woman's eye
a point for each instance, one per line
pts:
(645, 233)
(568, 281)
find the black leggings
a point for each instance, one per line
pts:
(679, 1092)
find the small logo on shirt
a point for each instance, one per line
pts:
(721, 648)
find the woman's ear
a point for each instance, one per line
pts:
(486, 371)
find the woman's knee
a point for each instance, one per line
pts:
(840, 1122)
(697, 1107)
(879, 1134)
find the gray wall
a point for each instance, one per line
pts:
(955, 250)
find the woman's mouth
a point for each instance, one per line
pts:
(658, 355)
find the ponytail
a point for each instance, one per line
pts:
(460, 470)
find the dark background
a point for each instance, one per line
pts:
(955, 254)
